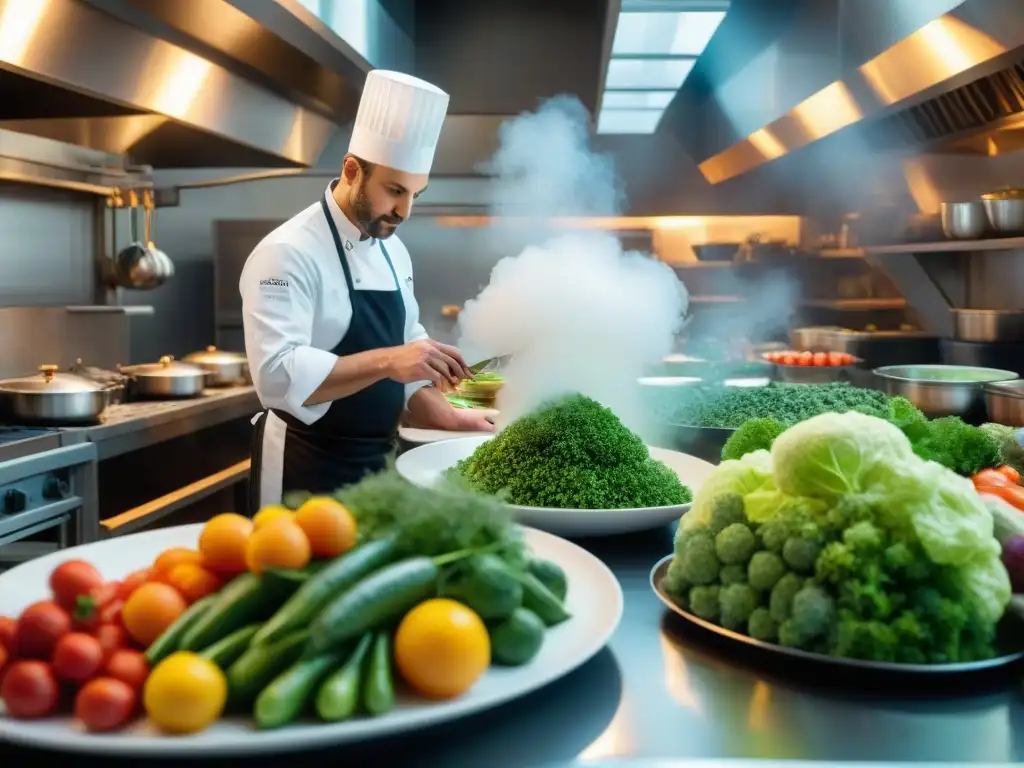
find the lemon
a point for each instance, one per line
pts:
(185, 693)
(442, 648)
(269, 514)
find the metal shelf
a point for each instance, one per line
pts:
(950, 246)
(854, 304)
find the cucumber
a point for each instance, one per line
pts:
(246, 600)
(260, 664)
(518, 638)
(296, 578)
(381, 597)
(379, 685)
(551, 576)
(486, 585)
(227, 650)
(284, 699)
(540, 600)
(338, 697)
(170, 640)
(304, 606)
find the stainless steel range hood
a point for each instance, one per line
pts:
(182, 84)
(954, 83)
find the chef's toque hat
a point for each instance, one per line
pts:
(398, 122)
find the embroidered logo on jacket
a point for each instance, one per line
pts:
(273, 282)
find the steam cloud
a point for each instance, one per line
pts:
(576, 313)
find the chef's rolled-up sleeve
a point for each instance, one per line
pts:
(414, 331)
(278, 299)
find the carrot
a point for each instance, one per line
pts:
(1010, 472)
(991, 477)
(1012, 494)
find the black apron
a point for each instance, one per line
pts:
(357, 434)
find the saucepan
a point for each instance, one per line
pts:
(53, 397)
(225, 369)
(166, 379)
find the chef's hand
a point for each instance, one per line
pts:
(427, 360)
(469, 420)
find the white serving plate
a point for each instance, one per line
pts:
(594, 599)
(424, 464)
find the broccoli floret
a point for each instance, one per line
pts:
(863, 537)
(810, 618)
(761, 625)
(735, 544)
(954, 444)
(773, 534)
(902, 412)
(835, 564)
(753, 435)
(727, 509)
(800, 553)
(699, 564)
(675, 583)
(704, 602)
(732, 574)
(764, 570)
(572, 453)
(737, 602)
(780, 602)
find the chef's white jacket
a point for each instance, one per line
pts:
(296, 307)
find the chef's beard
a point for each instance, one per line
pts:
(379, 227)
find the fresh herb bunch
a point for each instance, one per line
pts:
(729, 407)
(572, 454)
(432, 521)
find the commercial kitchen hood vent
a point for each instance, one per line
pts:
(984, 117)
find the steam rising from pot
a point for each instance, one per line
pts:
(576, 312)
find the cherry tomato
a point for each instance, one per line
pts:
(991, 477)
(4, 658)
(8, 630)
(71, 580)
(805, 358)
(1010, 472)
(835, 358)
(789, 359)
(131, 582)
(88, 614)
(40, 626)
(820, 359)
(30, 690)
(111, 612)
(127, 666)
(78, 657)
(112, 637)
(105, 704)
(773, 357)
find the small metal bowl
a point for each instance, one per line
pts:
(1005, 211)
(964, 221)
(1004, 401)
(942, 390)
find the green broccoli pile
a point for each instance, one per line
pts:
(842, 541)
(572, 454)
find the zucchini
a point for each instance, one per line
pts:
(260, 664)
(540, 600)
(311, 598)
(551, 576)
(170, 640)
(379, 686)
(284, 699)
(338, 697)
(227, 650)
(381, 597)
(246, 600)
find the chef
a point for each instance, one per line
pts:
(332, 329)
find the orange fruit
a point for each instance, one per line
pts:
(280, 544)
(442, 648)
(165, 561)
(329, 526)
(270, 514)
(222, 542)
(151, 609)
(192, 581)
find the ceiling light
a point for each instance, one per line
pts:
(676, 34)
(637, 99)
(628, 120)
(647, 73)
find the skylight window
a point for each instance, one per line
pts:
(653, 52)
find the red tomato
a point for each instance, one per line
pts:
(1010, 472)
(111, 612)
(4, 657)
(820, 359)
(835, 358)
(78, 657)
(788, 358)
(30, 690)
(105, 704)
(129, 667)
(73, 579)
(805, 358)
(40, 626)
(112, 637)
(773, 357)
(131, 582)
(8, 629)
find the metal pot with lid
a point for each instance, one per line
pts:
(166, 378)
(53, 397)
(225, 369)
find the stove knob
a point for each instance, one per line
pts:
(14, 502)
(55, 489)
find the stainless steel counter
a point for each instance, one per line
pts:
(130, 426)
(663, 691)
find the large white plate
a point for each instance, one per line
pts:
(424, 464)
(594, 599)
